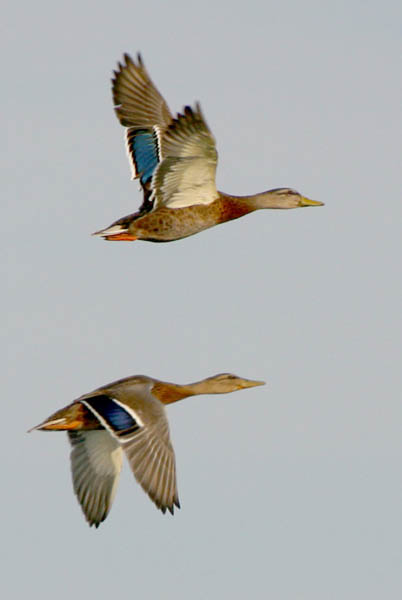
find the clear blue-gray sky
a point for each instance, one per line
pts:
(289, 491)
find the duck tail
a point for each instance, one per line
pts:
(116, 233)
(71, 417)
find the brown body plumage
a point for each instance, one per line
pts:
(167, 225)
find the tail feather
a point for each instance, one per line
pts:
(72, 417)
(116, 233)
(50, 425)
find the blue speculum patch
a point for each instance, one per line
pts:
(115, 415)
(143, 147)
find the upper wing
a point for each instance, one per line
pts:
(143, 433)
(137, 101)
(186, 173)
(152, 461)
(96, 460)
(139, 107)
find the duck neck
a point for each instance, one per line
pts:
(269, 199)
(242, 205)
(210, 385)
(171, 392)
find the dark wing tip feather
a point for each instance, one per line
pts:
(180, 117)
(121, 66)
(127, 58)
(93, 521)
(129, 61)
(170, 507)
(192, 112)
(116, 75)
(190, 120)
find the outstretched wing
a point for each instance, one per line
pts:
(96, 460)
(139, 107)
(186, 173)
(144, 437)
(152, 461)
